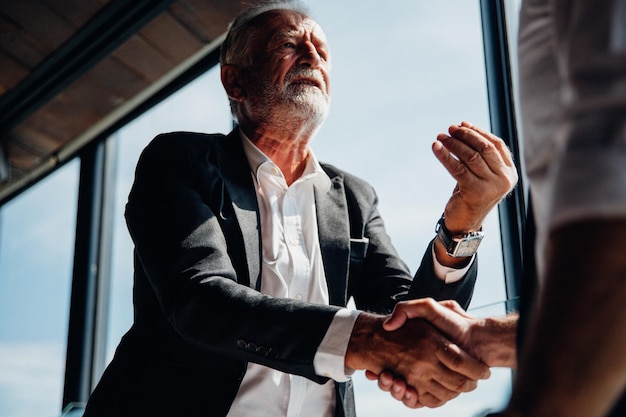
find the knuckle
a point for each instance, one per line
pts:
(458, 170)
(459, 383)
(475, 157)
(430, 302)
(454, 356)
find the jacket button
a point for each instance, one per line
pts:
(251, 347)
(272, 353)
(262, 350)
(241, 343)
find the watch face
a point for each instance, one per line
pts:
(460, 246)
(467, 246)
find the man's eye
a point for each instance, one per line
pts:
(290, 45)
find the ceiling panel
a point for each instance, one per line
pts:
(70, 68)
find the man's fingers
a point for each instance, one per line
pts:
(471, 152)
(498, 142)
(411, 398)
(400, 315)
(464, 365)
(371, 375)
(435, 395)
(385, 381)
(398, 389)
(454, 306)
(454, 167)
(424, 308)
(447, 316)
(476, 137)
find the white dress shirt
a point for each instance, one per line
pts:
(292, 268)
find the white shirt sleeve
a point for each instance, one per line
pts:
(329, 360)
(447, 274)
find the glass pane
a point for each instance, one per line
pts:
(36, 251)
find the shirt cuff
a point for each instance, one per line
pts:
(448, 274)
(329, 361)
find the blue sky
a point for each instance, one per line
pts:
(401, 74)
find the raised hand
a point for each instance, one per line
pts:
(483, 167)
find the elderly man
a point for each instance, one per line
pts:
(247, 250)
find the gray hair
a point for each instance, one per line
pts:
(236, 46)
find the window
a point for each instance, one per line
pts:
(36, 251)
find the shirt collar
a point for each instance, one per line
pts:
(312, 171)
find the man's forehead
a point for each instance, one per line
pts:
(278, 22)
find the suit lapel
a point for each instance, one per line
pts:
(240, 187)
(334, 233)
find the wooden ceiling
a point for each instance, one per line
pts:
(72, 71)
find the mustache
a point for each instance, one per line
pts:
(303, 73)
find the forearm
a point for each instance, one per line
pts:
(359, 354)
(494, 341)
(573, 363)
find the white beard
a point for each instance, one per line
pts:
(296, 105)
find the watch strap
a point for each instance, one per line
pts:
(458, 246)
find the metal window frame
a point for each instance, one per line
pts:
(87, 277)
(500, 93)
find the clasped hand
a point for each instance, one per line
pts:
(435, 369)
(490, 341)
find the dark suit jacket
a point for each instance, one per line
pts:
(198, 318)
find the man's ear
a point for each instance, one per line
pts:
(231, 81)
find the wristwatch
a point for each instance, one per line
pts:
(458, 246)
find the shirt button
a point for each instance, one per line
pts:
(275, 171)
(298, 297)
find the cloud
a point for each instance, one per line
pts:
(31, 379)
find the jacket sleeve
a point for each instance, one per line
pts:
(427, 284)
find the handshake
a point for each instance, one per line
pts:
(426, 353)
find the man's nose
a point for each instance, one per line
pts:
(309, 55)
